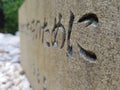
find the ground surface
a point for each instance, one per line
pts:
(12, 76)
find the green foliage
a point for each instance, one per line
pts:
(10, 8)
(2, 21)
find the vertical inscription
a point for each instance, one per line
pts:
(45, 32)
(89, 19)
(58, 34)
(69, 46)
(58, 27)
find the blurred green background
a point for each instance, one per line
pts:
(9, 15)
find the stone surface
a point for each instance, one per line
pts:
(88, 59)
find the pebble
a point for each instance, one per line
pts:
(12, 75)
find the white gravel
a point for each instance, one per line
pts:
(12, 76)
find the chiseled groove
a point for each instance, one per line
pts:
(87, 55)
(47, 31)
(69, 46)
(90, 19)
(43, 29)
(63, 36)
(44, 83)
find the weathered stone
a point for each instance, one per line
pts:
(72, 44)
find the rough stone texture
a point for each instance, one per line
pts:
(49, 68)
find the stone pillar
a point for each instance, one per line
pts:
(71, 44)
